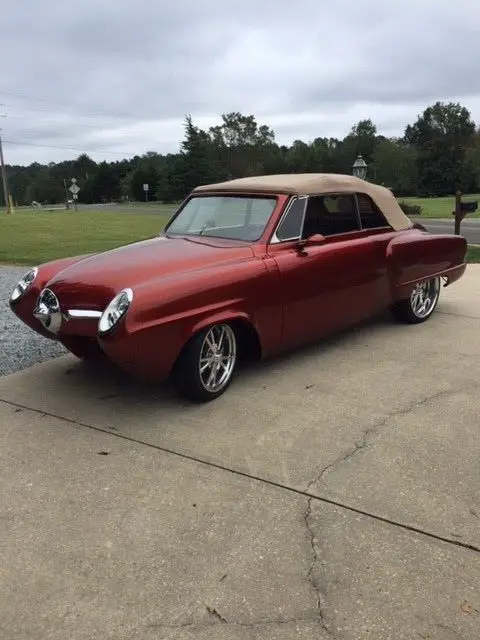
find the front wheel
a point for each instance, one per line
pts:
(207, 363)
(421, 303)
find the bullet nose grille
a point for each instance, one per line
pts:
(48, 311)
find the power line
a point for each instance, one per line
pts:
(29, 133)
(76, 113)
(49, 146)
(95, 113)
(54, 120)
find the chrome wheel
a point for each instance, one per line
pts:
(218, 354)
(424, 297)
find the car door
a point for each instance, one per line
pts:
(330, 285)
(375, 225)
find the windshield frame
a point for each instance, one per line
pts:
(274, 197)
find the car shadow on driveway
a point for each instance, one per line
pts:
(105, 381)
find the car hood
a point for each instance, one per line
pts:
(92, 282)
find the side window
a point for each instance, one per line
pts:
(370, 214)
(330, 215)
(291, 225)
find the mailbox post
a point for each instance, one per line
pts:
(462, 209)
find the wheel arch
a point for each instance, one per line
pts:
(247, 335)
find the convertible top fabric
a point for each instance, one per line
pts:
(305, 184)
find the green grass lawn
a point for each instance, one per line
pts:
(441, 207)
(473, 254)
(30, 238)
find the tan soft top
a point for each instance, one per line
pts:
(304, 184)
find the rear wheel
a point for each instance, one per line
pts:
(421, 303)
(205, 367)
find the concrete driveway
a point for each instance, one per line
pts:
(331, 493)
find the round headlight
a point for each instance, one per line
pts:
(115, 311)
(24, 284)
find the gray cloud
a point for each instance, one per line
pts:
(118, 76)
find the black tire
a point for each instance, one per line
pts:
(407, 310)
(186, 374)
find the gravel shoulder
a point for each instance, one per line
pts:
(20, 347)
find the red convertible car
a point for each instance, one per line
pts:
(248, 267)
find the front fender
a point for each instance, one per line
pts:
(149, 351)
(193, 300)
(24, 306)
(167, 312)
(227, 315)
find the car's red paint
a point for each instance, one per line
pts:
(330, 285)
(429, 255)
(23, 308)
(157, 327)
(288, 294)
(159, 262)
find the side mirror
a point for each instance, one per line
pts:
(317, 238)
(311, 241)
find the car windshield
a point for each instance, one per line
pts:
(232, 217)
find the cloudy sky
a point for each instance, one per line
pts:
(115, 78)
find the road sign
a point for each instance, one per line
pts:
(74, 189)
(145, 187)
(73, 180)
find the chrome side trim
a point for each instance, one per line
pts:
(83, 314)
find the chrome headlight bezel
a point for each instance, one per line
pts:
(24, 284)
(115, 311)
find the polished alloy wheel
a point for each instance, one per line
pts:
(218, 354)
(424, 297)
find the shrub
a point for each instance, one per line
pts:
(411, 209)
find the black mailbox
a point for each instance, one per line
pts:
(462, 209)
(469, 207)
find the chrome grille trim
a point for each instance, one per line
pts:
(83, 314)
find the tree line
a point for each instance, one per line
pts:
(437, 155)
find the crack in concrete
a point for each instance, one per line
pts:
(359, 446)
(430, 627)
(310, 573)
(213, 612)
(250, 476)
(221, 621)
(350, 454)
(373, 430)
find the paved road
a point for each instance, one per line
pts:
(470, 229)
(331, 493)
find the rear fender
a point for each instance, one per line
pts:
(415, 256)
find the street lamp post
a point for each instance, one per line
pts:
(359, 168)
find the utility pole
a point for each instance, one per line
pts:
(67, 203)
(6, 195)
